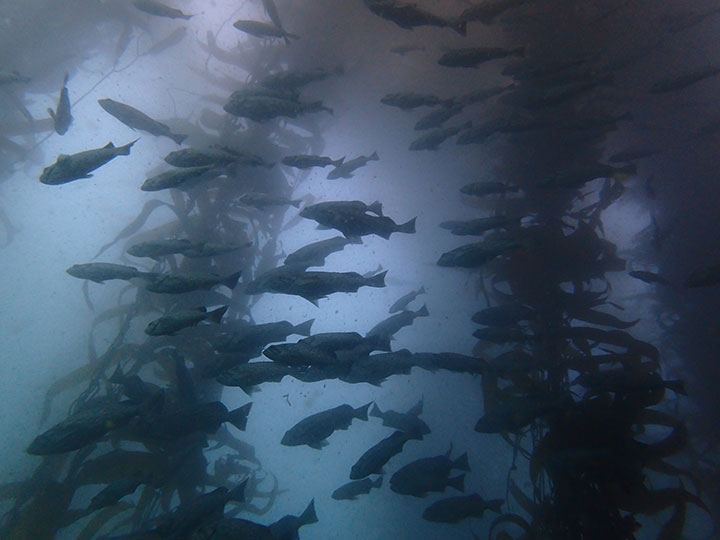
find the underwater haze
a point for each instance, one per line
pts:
(359, 269)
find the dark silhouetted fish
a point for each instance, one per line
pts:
(101, 272)
(153, 7)
(181, 283)
(62, 118)
(177, 320)
(649, 277)
(315, 254)
(314, 430)
(264, 108)
(393, 324)
(74, 167)
(402, 302)
(477, 254)
(456, 509)
(351, 490)
(302, 161)
(410, 100)
(408, 422)
(136, 119)
(481, 189)
(433, 139)
(174, 178)
(347, 169)
(473, 56)
(291, 81)
(264, 200)
(287, 527)
(263, 30)
(504, 315)
(372, 461)
(408, 16)
(429, 474)
(354, 222)
(479, 226)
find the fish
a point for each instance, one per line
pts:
(408, 422)
(153, 7)
(195, 157)
(263, 200)
(74, 167)
(314, 286)
(138, 120)
(256, 336)
(474, 56)
(188, 419)
(175, 178)
(264, 108)
(353, 221)
(347, 169)
(378, 367)
(303, 161)
(393, 324)
(487, 11)
(433, 139)
(439, 116)
(501, 335)
(290, 81)
(61, 116)
(88, 425)
(314, 430)
(287, 527)
(704, 277)
(351, 490)
(479, 226)
(411, 100)
(9, 77)
(430, 474)
(679, 82)
(578, 176)
(477, 254)
(408, 16)
(373, 460)
(623, 381)
(115, 491)
(456, 509)
(315, 254)
(172, 39)
(175, 321)
(249, 376)
(402, 302)
(209, 249)
(181, 283)
(481, 189)
(515, 413)
(263, 30)
(504, 315)
(272, 12)
(102, 272)
(649, 277)
(334, 342)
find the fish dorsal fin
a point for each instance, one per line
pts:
(63, 157)
(109, 145)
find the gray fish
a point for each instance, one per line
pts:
(153, 7)
(175, 178)
(177, 320)
(158, 248)
(678, 82)
(334, 342)
(378, 367)
(473, 56)
(287, 527)
(62, 118)
(372, 461)
(272, 12)
(354, 222)
(351, 490)
(429, 474)
(477, 227)
(303, 161)
(101, 272)
(182, 283)
(264, 200)
(315, 254)
(411, 100)
(393, 324)
(408, 16)
(504, 315)
(249, 376)
(439, 116)
(87, 425)
(314, 430)
(347, 168)
(649, 277)
(74, 167)
(135, 119)
(263, 30)
(348, 207)
(500, 335)
(456, 509)
(402, 302)
(115, 491)
(210, 249)
(300, 355)
(514, 413)
(259, 91)
(476, 254)
(195, 157)
(257, 336)
(172, 39)
(577, 177)
(408, 422)
(312, 285)
(291, 81)
(481, 189)
(433, 139)
(9, 77)
(264, 108)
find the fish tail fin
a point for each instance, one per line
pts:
(304, 329)
(238, 417)
(462, 463)
(361, 413)
(458, 482)
(408, 227)
(495, 505)
(296, 203)
(376, 208)
(381, 342)
(308, 516)
(178, 138)
(125, 149)
(51, 113)
(421, 290)
(231, 281)
(374, 156)
(378, 280)
(378, 483)
(238, 492)
(65, 79)
(338, 162)
(376, 412)
(217, 314)
(422, 312)
(355, 239)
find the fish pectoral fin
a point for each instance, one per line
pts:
(318, 445)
